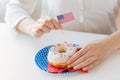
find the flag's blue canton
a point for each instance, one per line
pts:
(60, 17)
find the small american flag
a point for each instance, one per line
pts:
(65, 17)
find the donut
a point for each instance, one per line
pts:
(59, 53)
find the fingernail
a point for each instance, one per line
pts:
(68, 66)
(75, 68)
(84, 69)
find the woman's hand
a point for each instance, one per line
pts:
(90, 55)
(44, 25)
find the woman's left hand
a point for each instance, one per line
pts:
(90, 55)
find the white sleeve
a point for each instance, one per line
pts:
(16, 10)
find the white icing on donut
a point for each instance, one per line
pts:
(61, 52)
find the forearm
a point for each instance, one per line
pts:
(113, 41)
(25, 25)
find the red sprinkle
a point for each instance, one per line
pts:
(55, 53)
(68, 45)
(70, 56)
(58, 44)
(54, 46)
(65, 41)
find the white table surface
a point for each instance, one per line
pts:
(17, 52)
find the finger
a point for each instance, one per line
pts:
(80, 53)
(37, 33)
(46, 21)
(90, 66)
(79, 60)
(56, 24)
(49, 24)
(85, 63)
(60, 25)
(45, 29)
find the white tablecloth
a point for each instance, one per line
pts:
(17, 52)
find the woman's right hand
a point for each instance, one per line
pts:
(44, 25)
